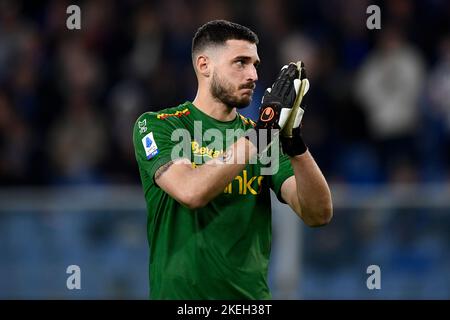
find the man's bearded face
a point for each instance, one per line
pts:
(238, 96)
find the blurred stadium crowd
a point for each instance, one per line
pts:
(378, 110)
(378, 113)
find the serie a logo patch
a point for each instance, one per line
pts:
(150, 147)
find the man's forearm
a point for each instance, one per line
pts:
(313, 194)
(211, 178)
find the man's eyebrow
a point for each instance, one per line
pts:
(247, 58)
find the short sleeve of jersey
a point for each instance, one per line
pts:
(284, 171)
(152, 142)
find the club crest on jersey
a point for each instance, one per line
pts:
(142, 126)
(150, 147)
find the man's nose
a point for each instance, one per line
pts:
(253, 74)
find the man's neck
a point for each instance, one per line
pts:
(214, 108)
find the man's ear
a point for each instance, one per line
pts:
(202, 63)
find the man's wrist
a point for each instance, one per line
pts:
(252, 145)
(294, 146)
(261, 138)
(252, 135)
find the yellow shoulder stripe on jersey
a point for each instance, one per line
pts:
(247, 120)
(177, 114)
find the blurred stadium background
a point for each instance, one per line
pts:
(378, 124)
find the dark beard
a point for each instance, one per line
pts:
(222, 92)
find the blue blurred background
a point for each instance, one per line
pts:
(377, 123)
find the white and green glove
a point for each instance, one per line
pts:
(291, 139)
(277, 104)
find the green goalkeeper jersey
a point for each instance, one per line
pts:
(222, 250)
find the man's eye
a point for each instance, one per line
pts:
(240, 63)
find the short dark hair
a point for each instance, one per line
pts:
(217, 32)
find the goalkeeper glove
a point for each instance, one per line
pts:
(277, 102)
(291, 139)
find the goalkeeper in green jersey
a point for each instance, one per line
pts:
(209, 209)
